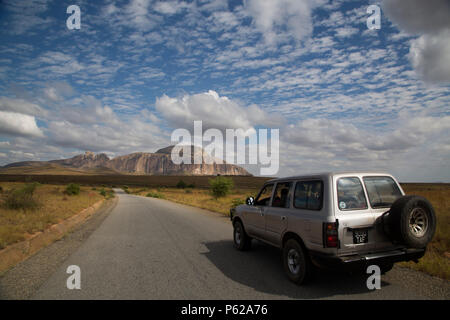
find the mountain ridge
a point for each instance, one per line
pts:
(145, 163)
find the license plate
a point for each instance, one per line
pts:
(360, 236)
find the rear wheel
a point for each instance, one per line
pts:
(297, 265)
(241, 240)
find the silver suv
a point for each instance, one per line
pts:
(336, 219)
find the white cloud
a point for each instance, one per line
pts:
(347, 142)
(129, 135)
(215, 112)
(272, 17)
(419, 16)
(20, 106)
(430, 56)
(170, 7)
(57, 91)
(346, 32)
(19, 124)
(27, 15)
(138, 13)
(430, 53)
(334, 145)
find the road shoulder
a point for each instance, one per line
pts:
(21, 281)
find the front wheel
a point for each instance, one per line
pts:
(242, 241)
(297, 265)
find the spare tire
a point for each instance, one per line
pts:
(411, 221)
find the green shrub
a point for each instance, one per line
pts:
(191, 185)
(181, 184)
(188, 191)
(72, 189)
(94, 188)
(237, 202)
(125, 187)
(103, 192)
(22, 198)
(155, 195)
(221, 186)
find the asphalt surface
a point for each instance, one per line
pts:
(149, 248)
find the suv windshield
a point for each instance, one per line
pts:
(264, 196)
(382, 191)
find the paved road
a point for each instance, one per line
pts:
(153, 249)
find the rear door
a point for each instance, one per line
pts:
(357, 232)
(361, 201)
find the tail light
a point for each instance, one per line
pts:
(330, 234)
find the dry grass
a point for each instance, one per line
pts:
(436, 261)
(53, 207)
(437, 258)
(200, 198)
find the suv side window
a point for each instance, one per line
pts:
(282, 195)
(308, 195)
(351, 194)
(264, 196)
(382, 191)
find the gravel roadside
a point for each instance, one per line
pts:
(24, 279)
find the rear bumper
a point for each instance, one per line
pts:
(363, 260)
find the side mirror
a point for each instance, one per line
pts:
(250, 201)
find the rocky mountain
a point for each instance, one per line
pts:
(85, 161)
(158, 163)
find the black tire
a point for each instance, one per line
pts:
(241, 240)
(297, 264)
(411, 221)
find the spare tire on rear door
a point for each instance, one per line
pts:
(411, 221)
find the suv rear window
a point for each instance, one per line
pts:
(308, 195)
(351, 194)
(382, 191)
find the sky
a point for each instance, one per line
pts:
(343, 96)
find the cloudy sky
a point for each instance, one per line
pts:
(344, 97)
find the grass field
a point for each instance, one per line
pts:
(130, 180)
(52, 206)
(435, 262)
(195, 197)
